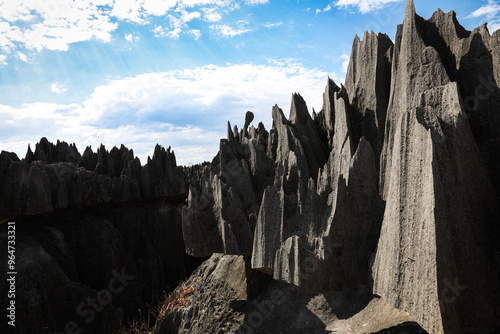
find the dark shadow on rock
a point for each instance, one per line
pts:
(404, 328)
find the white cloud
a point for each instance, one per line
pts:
(3, 59)
(272, 25)
(158, 7)
(364, 6)
(196, 33)
(56, 24)
(131, 38)
(185, 109)
(225, 30)
(189, 16)
(58, 88)
(159, 31)
(255, 2)
(491, 11)
(494, 26)
(163, 32)
(318, 11)
(345, 62)
(327, 8)
(9, 35)
(211, 14)
(21, 56)
(174, 34)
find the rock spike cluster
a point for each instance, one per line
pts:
(387, 181)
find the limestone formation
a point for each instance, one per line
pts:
(368, 83)
(230, 297)
(54, 180)
(377, 214)
(441, 206)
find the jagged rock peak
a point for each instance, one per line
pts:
(278, 116)
(368, 82)
(29, 155)
(410, 11)
(450, 20)
(298, 110)
(230, 134)
(249, 116)
(50, 153)
(331, 85)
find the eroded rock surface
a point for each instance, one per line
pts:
(377, 214)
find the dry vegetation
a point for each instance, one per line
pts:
(168, 301)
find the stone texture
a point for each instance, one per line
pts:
(223, 200)
(368, 83)
(53, 179)
(120, 258)
(230, 297)
(437, 228)
(305, 233)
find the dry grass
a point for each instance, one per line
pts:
(168, 301)
(178, 298)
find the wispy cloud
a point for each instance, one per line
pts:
(326, 9)
(55, 25)
(21, 56)
(364, 6)
(345, 62)
(196, 33)
(490, 11)
(143, 110)
(256, 2)
(58, 88)
(131, 38)
(270, 25)
(211, 14)
(225, 30)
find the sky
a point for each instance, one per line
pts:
(173, 72)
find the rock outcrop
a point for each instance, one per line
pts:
(440, 203)
(378, 214)
(230, 297)
(368, 81)
(97, 237)
(56, 179)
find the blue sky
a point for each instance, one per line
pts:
(142, 72)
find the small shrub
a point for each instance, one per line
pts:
(177, 298)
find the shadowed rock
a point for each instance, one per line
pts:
(368, 83)
(440, 202)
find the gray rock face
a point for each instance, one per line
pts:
(440, 202)
(223, 202)
(230, 297)
(302, 235)
(77, 227)
(53, 179)
(368, 83)
(472, 59)
(94, 268)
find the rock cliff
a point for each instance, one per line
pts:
(377, 214)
